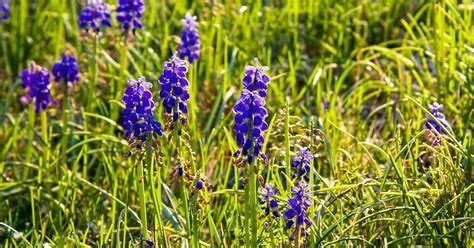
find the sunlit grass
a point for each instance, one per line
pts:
(379, 181)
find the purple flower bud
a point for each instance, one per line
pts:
(4, 9)
(66, 69)
(199, 184)
(36, 82)
(301, 163)
(190, 42)
(149, 243)
(268, 202)
(436, 110)
(129, 14)
(95, 16)
(325, 104)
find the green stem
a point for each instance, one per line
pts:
(272, 236)
(247, 214)
(155, 189)
(184, 191)
(194, 216)
(141, 196)
(253, 204)
(31, 131)
(44, 136)
(287, 138)
(64, 136)
(297, 236)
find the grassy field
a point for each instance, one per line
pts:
(350, 80)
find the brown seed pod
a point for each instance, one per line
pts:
(261, 180)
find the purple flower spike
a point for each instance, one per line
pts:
(298, 205)
(190, 42)
(255, 79)
(129, 14)
(36, 82)
(268, 202)
(436, 110)
(138, 118)
(174, 89)
(66, 69)
(95, 16)
(301, 163)
(250, 113)
(4, 9)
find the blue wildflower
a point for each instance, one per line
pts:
(95, 16)
(36, 82)
(256, 79)
(250, 113)
(66, 69)
(129, 13)
(298, 205)
(190, 42)
(4, 9)
(174, 88)
(301, 163)
(268, 201)
(436, 110)
(199, 184)
(325, 104)
(138, 118)
(180, 171)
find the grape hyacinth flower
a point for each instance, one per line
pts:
(268, 202)
(174, 89)
(4, 9)
(138, 118)
(325, 104)
(190, 42)
(129, 13)
(95, 16)
(298, 205)
(436, 110)
(66, 69)
(250, 113)
(301, 162)
(36, 82)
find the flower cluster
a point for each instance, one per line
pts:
(174, 88)
(268, 202)
(190, 43)
(300, 163)
(250, 112)
(138, 118)
(36, 82)
(436, 110)
(297, 209)
(129, 13)
(66, 69)
(95, 16)
(4, 9)
(256, 79)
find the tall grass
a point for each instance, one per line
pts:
(379, 181)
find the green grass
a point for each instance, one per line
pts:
(379, 182)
